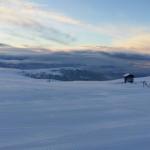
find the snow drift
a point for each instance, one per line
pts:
(38, 115)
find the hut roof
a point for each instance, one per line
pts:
(128, 75)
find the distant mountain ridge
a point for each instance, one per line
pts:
(78, 65)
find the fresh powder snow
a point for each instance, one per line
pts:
(41, 115)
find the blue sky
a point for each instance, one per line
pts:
(103, 10)
(76, 24)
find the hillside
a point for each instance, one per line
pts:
(38, 115)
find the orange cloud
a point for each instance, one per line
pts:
(140, 43)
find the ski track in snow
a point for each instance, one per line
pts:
(38, 115)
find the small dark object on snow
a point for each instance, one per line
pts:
(128, 78)
(146, 84)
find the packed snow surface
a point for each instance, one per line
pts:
(38, 115)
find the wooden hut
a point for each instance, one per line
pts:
(128, 78)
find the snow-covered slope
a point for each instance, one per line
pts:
(38, 115)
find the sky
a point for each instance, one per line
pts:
(109, 25)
